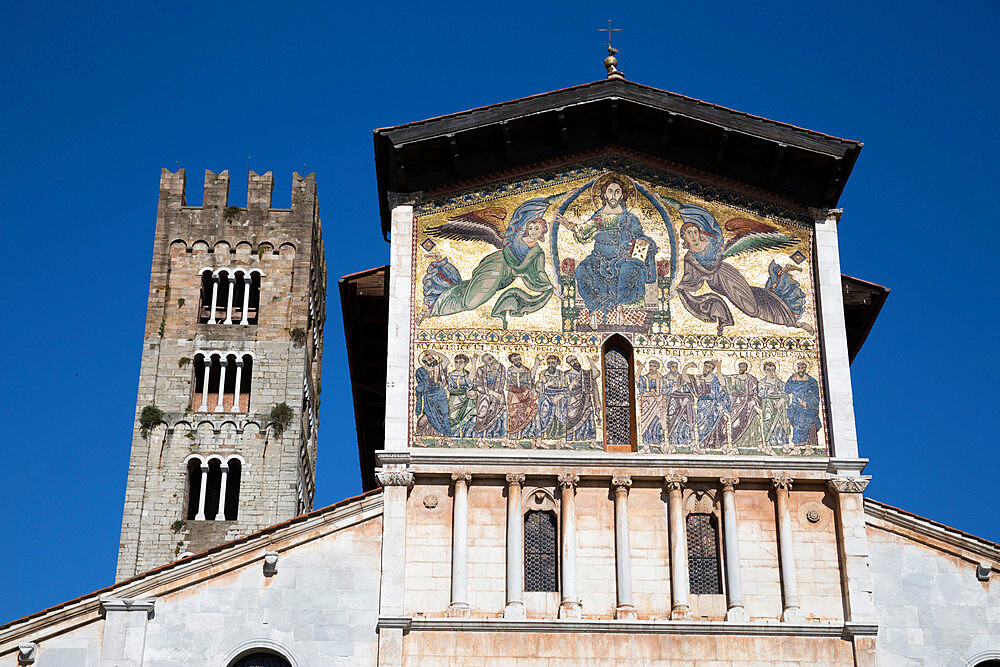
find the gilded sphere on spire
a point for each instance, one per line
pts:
(610, 62)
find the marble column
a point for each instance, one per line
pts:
(239, 382)
(515, 548)
(206, 375)
(223, 362)
(679, 582)
(734, 582)
(247, 279)
(200, 516)
(229, 299)
(220, 515)
(623, 553)
(570, 606)
(786, 551)
(396, 479)
(460, 546)
(215, 299)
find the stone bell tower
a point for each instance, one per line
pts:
(224, 441)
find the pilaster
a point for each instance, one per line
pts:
(397, 376)
(396, 479)
(125, 621)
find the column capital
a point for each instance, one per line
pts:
(515, 478)
(782, 482)
(825, 215)
(621, 481)
(674, 482)
(849, 484)
(728, 483)
(232, 277)
(568, 480)
(204, 466)
(144, 605)
(463, 477)
(394, 475)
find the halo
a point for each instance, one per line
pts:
(628, 196)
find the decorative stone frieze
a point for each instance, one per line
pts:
(394, 475)
(849, 484)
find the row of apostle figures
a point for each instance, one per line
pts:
(702, 407)
(479, 397)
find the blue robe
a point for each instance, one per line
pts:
(803, 408)
(432, 401)
(609, 276)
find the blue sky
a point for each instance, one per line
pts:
(98, 97)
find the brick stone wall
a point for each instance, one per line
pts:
(278, 475)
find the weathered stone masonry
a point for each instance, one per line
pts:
(286, 345)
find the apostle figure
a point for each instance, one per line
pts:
(803, 407)
(461, 396)
(774, 409)
(491, 408)
(712, 405)
(652, 403)
(522, 403)
(581, 398)
(550, 386)
(431, 405)
(681, 413)
(623, 260)
(744, 408)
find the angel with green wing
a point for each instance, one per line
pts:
(780, 301)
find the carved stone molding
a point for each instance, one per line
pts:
(674, 482)
(515, 478)
(128, 604)
(849, 484)
(395, 199)
(824, 215)
(394, 475)
(621, 481)
(27, 652)
(463, 477)
(729, 483)
(782, 482)
(568, 480)
(270, 563)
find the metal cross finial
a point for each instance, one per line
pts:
(611, 63)
(610, 30)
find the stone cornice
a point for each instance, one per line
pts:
(965, 545)
(642, 627)
(185, 572)
(436, 460)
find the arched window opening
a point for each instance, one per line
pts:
(540, 549)
(703, 554)
(222, 383)
(205, 308)
(232, 502)
(229, 297)
(212, 489)
(261, 659)
(194, 488)
(619, 399)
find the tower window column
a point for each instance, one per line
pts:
(229, 298)
(215, 300)
(200, 516)
(239, 383)
(220, 515)
(247, 279)
(223, 362)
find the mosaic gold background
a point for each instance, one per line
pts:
(723, 411)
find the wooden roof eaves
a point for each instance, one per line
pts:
(653, 98)
(880, 294)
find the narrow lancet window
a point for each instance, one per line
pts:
(540, 564)
(619, 412)
(703, 554)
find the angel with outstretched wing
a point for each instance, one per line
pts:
(519, 254)
(780, 301)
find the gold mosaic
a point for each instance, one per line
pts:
(520, 286)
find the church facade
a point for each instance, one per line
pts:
(616, 427)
